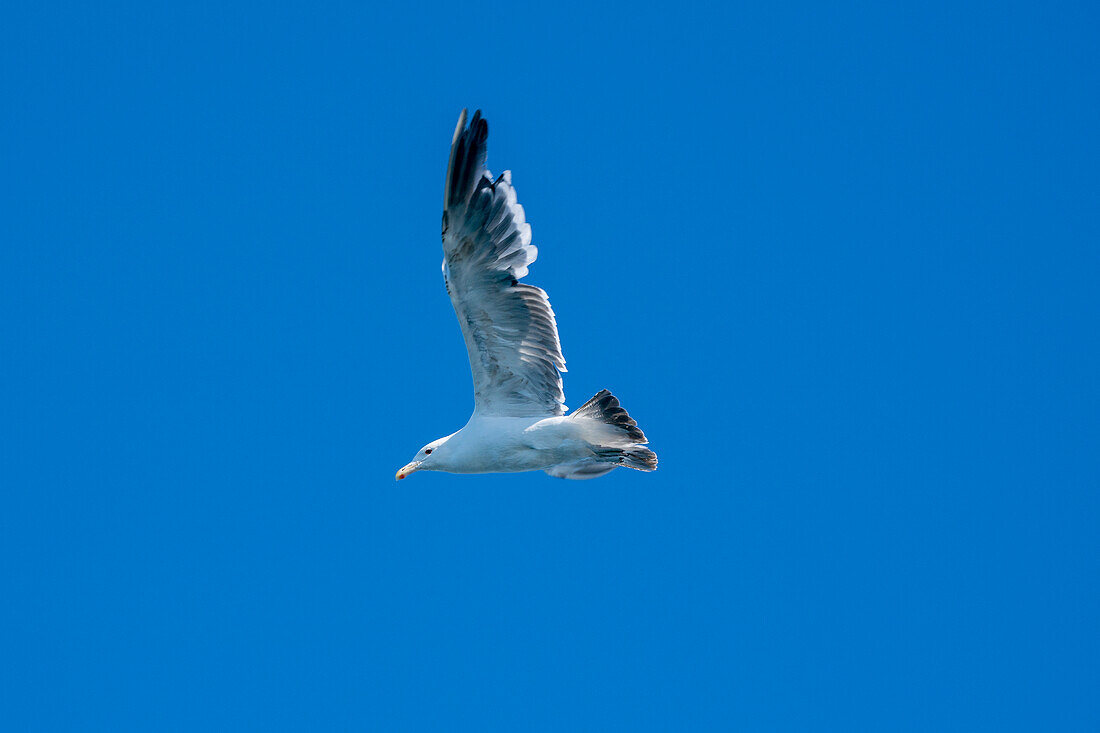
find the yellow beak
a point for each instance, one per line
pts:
(406, 470)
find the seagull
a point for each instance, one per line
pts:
(519, 421)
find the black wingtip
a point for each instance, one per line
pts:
(605, 407)
(480, 127)
(468, 151)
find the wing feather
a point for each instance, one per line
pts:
(509, 327)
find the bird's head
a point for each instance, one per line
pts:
(426, 459)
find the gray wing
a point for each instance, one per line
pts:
(510, 332)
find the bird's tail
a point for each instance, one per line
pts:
(628, 439)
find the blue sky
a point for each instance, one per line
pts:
(840, 263)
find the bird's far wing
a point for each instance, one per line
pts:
(510, 331)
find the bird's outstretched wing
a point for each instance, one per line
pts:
(510, 331)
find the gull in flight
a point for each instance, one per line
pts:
(519, 421)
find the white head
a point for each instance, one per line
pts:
(427, 458)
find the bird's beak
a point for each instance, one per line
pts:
(406, 470)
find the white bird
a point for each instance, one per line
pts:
(519, 421)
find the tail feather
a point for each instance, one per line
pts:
(639, 458)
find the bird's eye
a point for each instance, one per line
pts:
(427, 451)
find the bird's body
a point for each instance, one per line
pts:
(510, 444)
(519, 421)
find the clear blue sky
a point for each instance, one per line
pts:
(840, 263)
